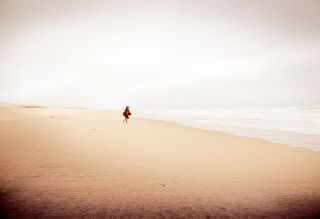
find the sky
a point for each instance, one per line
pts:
(160, 54)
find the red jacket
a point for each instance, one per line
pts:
(126, 113)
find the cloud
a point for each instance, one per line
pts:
(168, 53)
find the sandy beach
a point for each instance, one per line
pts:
(82, 163)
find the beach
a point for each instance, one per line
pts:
(85, 163)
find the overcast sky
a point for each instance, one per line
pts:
(160, 53)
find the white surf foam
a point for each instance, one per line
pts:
(298, 126)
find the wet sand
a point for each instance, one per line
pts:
(81, 163)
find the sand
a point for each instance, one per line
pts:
(81, 163)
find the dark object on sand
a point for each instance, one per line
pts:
(126, 113)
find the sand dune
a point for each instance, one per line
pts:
(69, 162)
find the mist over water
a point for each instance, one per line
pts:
(160, 54)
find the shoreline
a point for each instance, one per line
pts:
(175, 121)
(231, 134)
(273, 136)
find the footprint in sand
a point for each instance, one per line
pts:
(96, 130)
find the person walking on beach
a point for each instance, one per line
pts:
(126, 113)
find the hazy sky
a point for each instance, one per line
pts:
(160, 53)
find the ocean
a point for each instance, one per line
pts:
(294, 126)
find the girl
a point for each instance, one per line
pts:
(126, 114)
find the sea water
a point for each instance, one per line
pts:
(295, 126)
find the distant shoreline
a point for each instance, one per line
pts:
(290, 138)
(293, 139)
